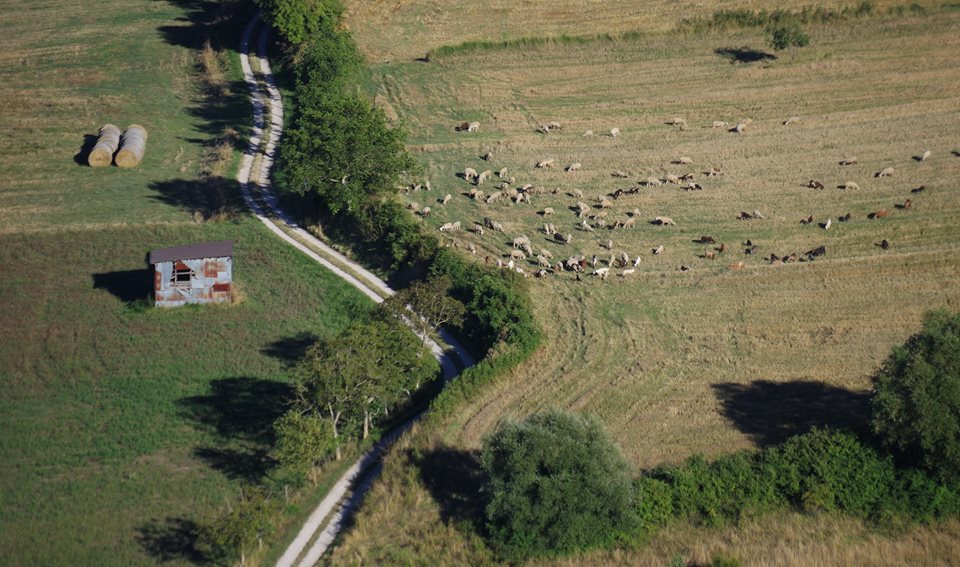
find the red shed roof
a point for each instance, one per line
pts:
(223, 248)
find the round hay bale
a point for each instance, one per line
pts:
(132, 146)
(102, 153)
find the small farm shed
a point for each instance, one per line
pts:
(196, 273)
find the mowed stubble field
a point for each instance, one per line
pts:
(120, 425)
(713, 359)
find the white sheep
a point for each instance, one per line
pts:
(502, 174)
(573, 167)
(425, 212)
(886, 172)
(850, 185)
(791, 120)
(658, 250)
(469, 173)
(473, 127)
(494, 197)
(483, 177)
(584, 225)
(446, 199)
(614, 132)
(653, 182)
(684, 160)
(925, 155)
(719, 124)
(664, 221)
(547, 211)
(519, 241)
(543, 164)
(588, 134)
(627, 272)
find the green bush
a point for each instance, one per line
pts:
(916, 404)
(827, 470)
(556, 484)
(300, 20)
(786, 33)
(654, 498)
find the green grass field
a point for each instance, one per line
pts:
(712, 359)
(121, 424)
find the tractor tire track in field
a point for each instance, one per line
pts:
(254, 179)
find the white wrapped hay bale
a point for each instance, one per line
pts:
(102, 153)
(132, 146)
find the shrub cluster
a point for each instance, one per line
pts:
(819, 471)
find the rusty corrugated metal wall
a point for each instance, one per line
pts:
(209, 282)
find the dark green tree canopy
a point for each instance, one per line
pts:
(342, 149)
(916, 405)
(556, 484)
(300, 20)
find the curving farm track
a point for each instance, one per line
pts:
(323, 525)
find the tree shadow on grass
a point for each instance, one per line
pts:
(770, 412)
(744, 54)
(241, 412)
(172, 539)
(290, 349)
(89, 141)
(211, 197)
(132, 287)
(454, 479)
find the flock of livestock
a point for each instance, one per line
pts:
(591, 217)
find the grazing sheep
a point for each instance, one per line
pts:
(920, 189)
(487, 156)
(636, 262)
(683, 160)
(469, 247)
(601, 272)
(607, 245)
(844, 218)
(686, 177)
(469, 173)
(924, 156)
(906, 204)
(709, 255)
(653, 182)
(479, 195)
(450, 226)
(664, 221)
(791, 120)
(885, 172)
(553, 125)
(585, 226)
(719, 124)
(546, 211)
(576, 193)
(473, 127)
(849, 185)
(426, 185)
(706, 240)
(494, 197)
(425, 212)
(614, 132)
(714, 172)
(517, 255)
(588, 134)
(736, 265)
(543, 164)
(878, 214)
(519, 241)
(484, 176)
(573, 167)
(807, 220)
(848, 161)
(582, 209)
(620, 174)
(446, 199)
(883, 244)
(815, 184)
(477, 229)
(758, 215)
(543, 261)
(826, 225)
(671, 178)
(693, 187)
(502, 174)
(415, 207)
(658, 250)
(546, 254)
(605, 204)
(741, 126)
(635, 212)
(626, 273)
(563, 238)
(629, 223)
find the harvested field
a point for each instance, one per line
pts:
(721, 356)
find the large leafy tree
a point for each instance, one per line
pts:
(304, 440)
(342, 150)
(427, 305)
(916, 404)
(361, 374)
(300, 20)
(556, 485)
